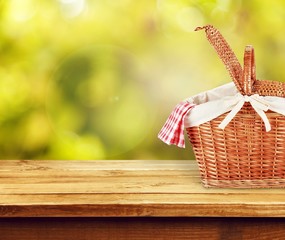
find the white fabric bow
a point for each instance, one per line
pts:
(258, 103)
(218, 101)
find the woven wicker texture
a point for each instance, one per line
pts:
(243, 155)
(225, 53)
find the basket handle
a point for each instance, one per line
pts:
(226, 54)
(249, 71)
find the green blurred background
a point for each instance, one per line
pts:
(96, 79)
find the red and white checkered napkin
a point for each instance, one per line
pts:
(173, 130)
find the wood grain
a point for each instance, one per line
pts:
(124, 189)
(142, 228)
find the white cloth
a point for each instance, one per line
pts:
(226, 98)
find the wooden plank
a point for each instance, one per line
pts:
(142, 199)
(141, 228)
(124, 185)
(57, 173)
(123, 205)
(10, 165)
(119, 188)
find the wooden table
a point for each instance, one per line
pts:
(133, 199)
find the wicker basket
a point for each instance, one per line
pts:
(243, 155)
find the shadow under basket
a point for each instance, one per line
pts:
(243, 155)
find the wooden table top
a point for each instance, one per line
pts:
(124, 188)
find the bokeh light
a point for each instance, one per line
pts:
(83, 79)
(104, 97)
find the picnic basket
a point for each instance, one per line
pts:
(243, 154)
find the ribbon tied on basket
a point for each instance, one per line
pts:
(211, 104)
(208, 105)
(259, 104)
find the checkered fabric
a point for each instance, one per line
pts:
(173, 130)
